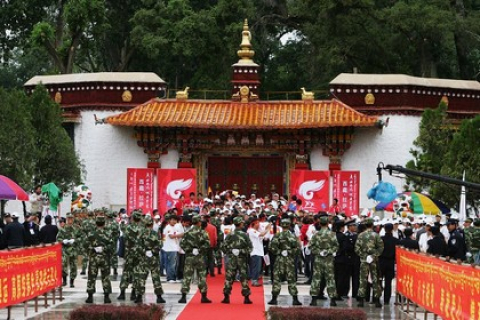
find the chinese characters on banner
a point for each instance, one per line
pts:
(172, 183)
(140, 189)
(346, 188)
(312, 187)
(449, 290)
(29, 273)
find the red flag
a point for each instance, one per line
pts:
(172, 183)
(346, 188)
(312, 187)
(140, 189)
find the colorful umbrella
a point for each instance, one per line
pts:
(416, 202)
(9, 190)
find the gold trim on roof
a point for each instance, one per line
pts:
(262, 115)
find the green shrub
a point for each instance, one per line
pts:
(314, 313)
(112, 312)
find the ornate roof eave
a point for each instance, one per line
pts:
(231, 115)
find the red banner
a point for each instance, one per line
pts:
(172, 183)
(140, 189)
(312, 187)
(449, 290)
(346, 188)
(28, 273)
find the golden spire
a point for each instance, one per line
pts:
(246, 53)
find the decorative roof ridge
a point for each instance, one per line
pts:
(343, 104)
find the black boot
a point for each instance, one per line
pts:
(333, 303)
(274, 301)
(138, 298)
(219, 270)
(64, 281)
(71, 283)
(83, 272)
(247, 300)
(115, 273)
(226, 298)
(132, 295)
(360, 302)
(122, 295)
(377, 303)
(205, 299)
(183, 299)
(106, 298)
(314, 301)
(90, 298)
(160, 299)
(295, 301)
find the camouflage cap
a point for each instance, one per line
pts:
(109, 214)
(237, 221)
(69, 215)
(91, 213)
(470, 220)
(196, 219)
(476, 222)
(213, 213)
(100, 219)
(285, 222)
(323, 220)
(149, 222)
(136, 215)
(368, 221)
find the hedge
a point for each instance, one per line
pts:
(112, 312)
(315, 313)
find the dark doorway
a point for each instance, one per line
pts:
(260, 175)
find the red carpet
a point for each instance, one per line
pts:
(219, 311)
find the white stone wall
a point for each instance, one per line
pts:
(390, 145)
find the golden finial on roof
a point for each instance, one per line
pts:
(307, 95)
(246, 53)
(182, 94)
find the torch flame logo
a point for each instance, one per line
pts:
(176, 187)
(308, 188)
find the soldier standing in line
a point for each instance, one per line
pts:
(238, 246)
(148, 263)
(196, 244)
(88, 224)
(284, 246)
(324, 246)
(114, 230)
(369, 247)
(98, 246)
(68, 236)
(131, 235)
(472, 238)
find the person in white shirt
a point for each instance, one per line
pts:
(256, 237)
(425, 237)
(172, 233)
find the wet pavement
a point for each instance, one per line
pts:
(75, 297)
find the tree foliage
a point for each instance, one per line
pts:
(35, 147)
(442, 150)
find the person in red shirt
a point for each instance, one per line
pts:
(212, 235)
(334, 208)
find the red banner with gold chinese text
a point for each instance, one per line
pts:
(140, 189)
(346, 189)
(449, 290)
(312, 187)
(28, 273)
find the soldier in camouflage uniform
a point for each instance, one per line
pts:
(285, 247)
(238, 247)
(369, 247)
(114, 229)
(133, 252)
(68, 236)
(148, 263)
(214, 220)
(472, 239)
(324, 246)
(196, 244)
(98, 248)
(87, 225)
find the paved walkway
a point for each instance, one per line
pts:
(75, 297)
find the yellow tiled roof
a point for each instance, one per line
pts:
(235, 115)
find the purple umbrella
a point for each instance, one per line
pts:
(9, 190)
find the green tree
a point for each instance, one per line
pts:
(430, 147)
(17, 154)
(55, 157)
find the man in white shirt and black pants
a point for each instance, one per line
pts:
(256, 236)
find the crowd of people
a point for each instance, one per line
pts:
(254, 240)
